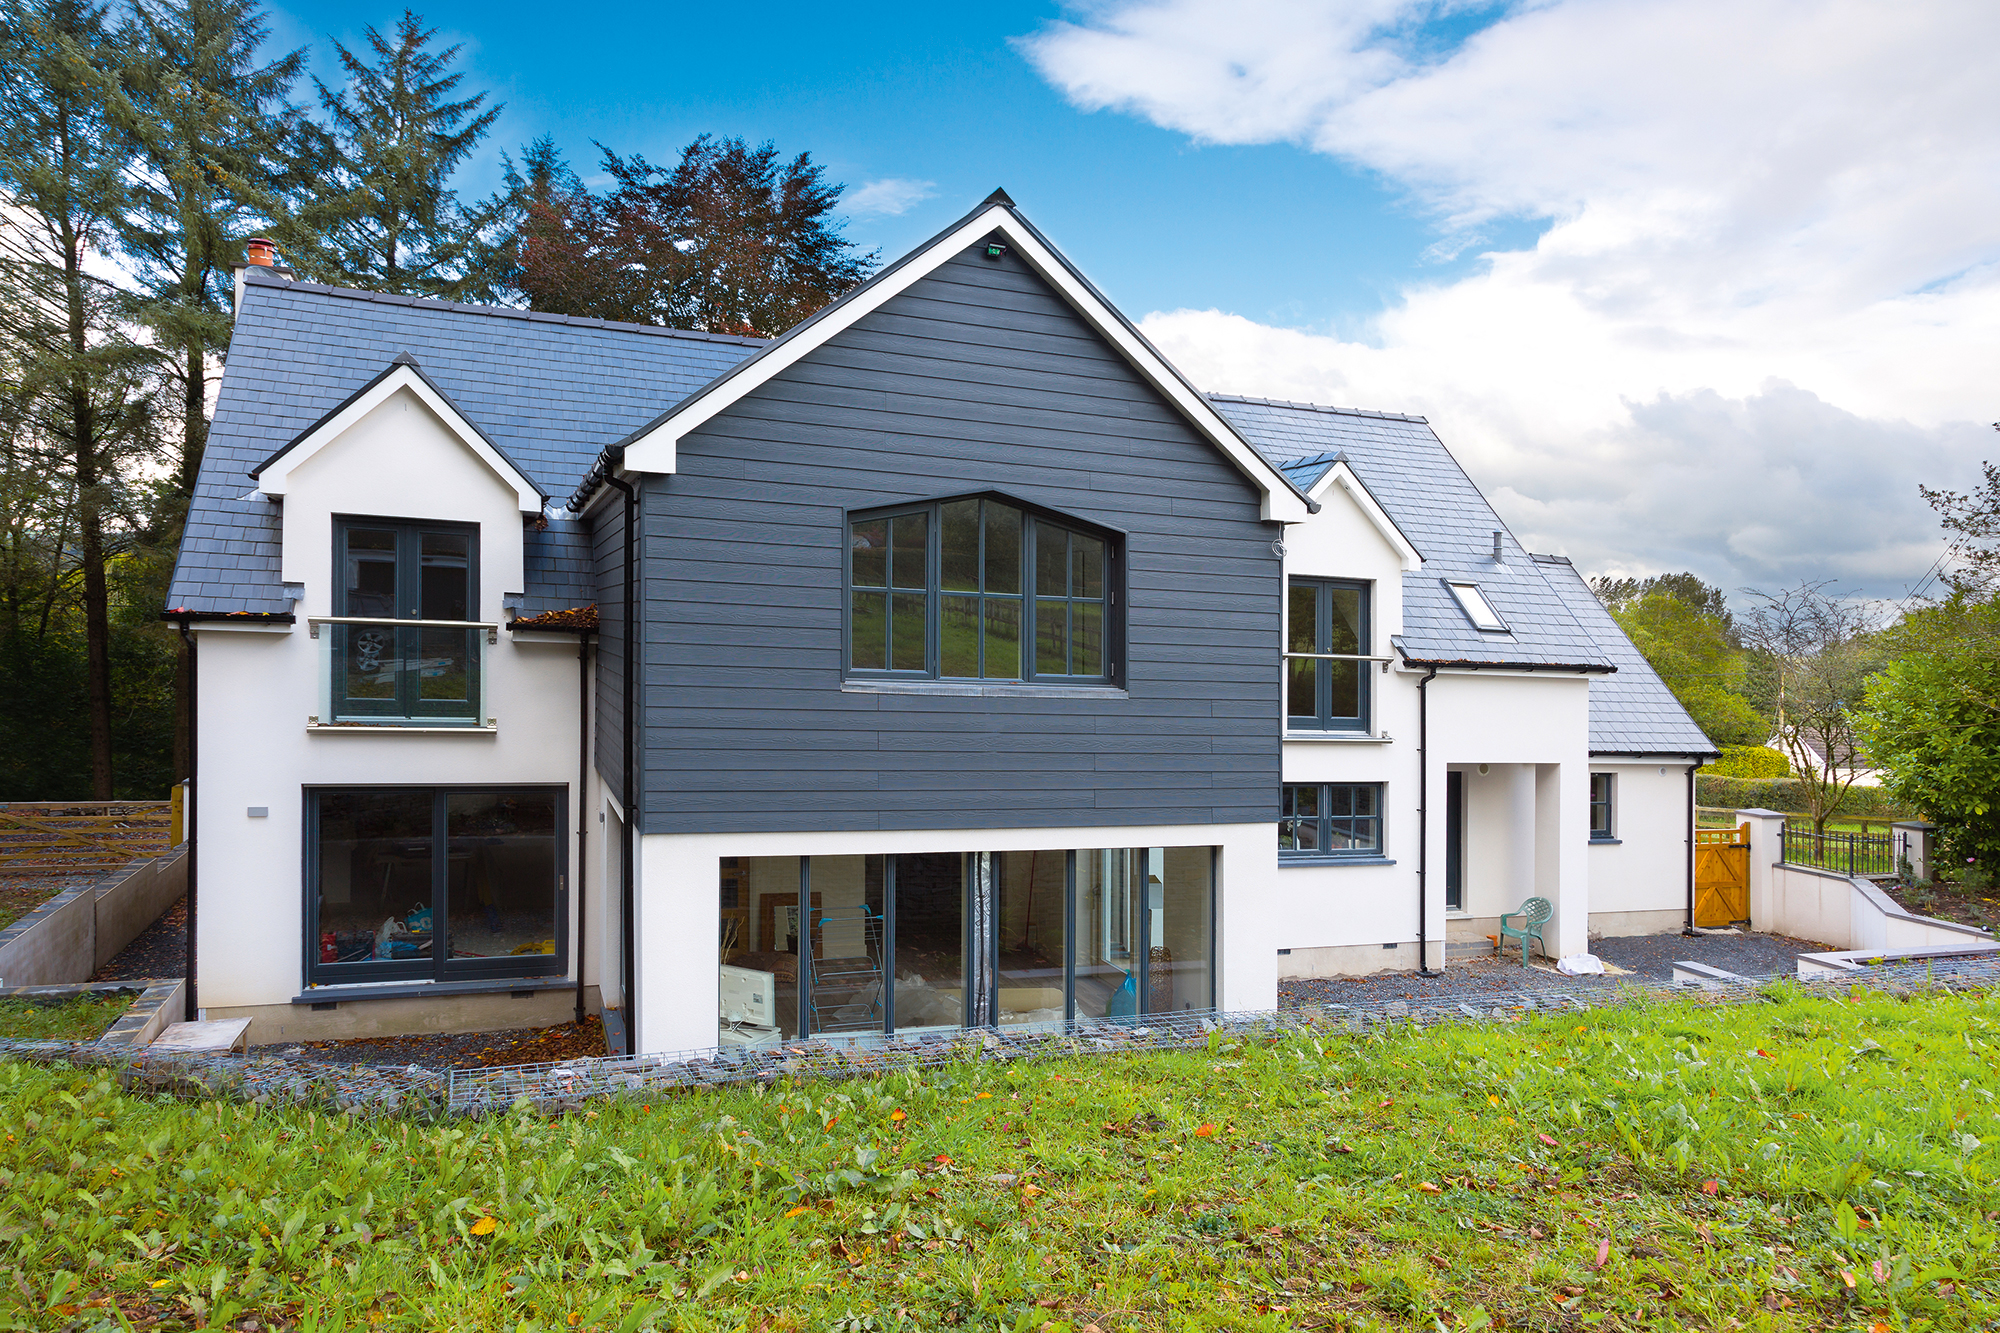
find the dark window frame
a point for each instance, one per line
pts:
(439, 967)
(1322, 718)
(1323, 819)
(1608, 803)
(1034, 520)
(405, 709)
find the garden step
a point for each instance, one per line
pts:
(217, 1036)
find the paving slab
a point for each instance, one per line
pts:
(216, 1036)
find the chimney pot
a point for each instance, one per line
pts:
(260, 251)
(1499, 550)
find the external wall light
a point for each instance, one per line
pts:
(995, 248)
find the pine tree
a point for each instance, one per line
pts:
(391, 221)
(212, 130)
(85, 389)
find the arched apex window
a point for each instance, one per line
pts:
(982, 589)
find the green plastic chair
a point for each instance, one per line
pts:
(1534, 914)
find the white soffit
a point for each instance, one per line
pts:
(1342, 476)
(274, 478)
(654, 450)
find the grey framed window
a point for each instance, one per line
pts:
(1602, 827)
(389, 570)
(980, 588)
(1327, 642)
(434, 883)
(1331, 820)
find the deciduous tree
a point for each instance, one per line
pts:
(1816, 652)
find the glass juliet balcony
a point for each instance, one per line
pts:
(377, 672)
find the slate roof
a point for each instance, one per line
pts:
(551, 392)
(1554, 618)
(548, 390)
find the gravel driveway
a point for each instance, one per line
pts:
(1640, 958)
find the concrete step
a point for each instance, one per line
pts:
(217, 1036)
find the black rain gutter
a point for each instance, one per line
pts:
(1595, 668)
(609, 460)
(581, 815)
(1424, 822)
(1689, 928)
(181, 615)
(191, 804)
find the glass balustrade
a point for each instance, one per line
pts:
(387, 673)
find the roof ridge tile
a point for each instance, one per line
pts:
(1317, 407)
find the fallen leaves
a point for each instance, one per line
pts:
(485, 1226)
(1204, 1131)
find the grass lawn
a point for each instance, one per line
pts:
(81, 1019)
(1812, 1162)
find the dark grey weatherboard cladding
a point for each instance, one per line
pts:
(977, 378)
(608, 563)
(549, 390)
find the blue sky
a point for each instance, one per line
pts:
(937, 93)
(1685, 284)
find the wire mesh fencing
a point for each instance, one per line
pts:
(570, 1085)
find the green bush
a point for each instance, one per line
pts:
(1788, 795)
(1749, 761)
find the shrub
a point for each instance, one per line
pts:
(1789, 795)
(1749, 761)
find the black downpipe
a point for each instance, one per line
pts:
(1689, 928)
(581, 807)
(1424, 822)
(188, 806)
(630, 692)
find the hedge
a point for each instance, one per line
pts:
(1788, 795)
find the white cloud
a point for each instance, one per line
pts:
(1769, 268)
(889, 198)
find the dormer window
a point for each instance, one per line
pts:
(1477, 609)
(403, 646)
(979, 589)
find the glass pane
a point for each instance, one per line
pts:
(930, 941)
(371, 573)
(870, 630)
(1106, 986)
(958, 636)
(1051, 561)
(1180, 929)
(444, 663)
(1031, 937)
(1003, 548)
(960, 541)
(447, 576)
(1340, 800)
(501, 854)
(844, 974)
(1086, 566)
(1003, 638)
(1298, 835)
(368, 657)
(1347, 633)
(1366, 800)
(1302, 800)
(869, 541)
(1345, 692)
(1301, 687)
(910, 533)
(1087, 638)
(907, 633)
(1303, 620)
(760, 949)
(1052, 638)
(375, 881)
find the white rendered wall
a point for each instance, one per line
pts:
(680, 875)
(257, 688)
(1646, 870)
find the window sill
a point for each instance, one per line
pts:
(970, 690)
(1284, 861)
(410, 990)
(1338, 737)
(1607, 842)
(397, 729)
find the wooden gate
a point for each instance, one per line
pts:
(1721, 875)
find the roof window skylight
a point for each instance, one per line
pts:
(1477, 609)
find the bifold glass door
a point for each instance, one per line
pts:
(909, 943)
